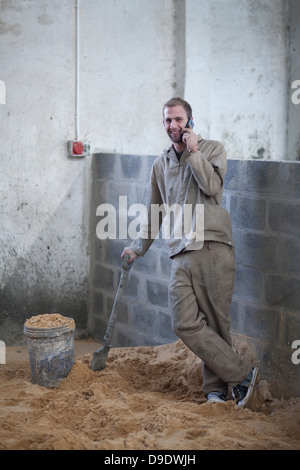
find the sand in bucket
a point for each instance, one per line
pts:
(50, 341)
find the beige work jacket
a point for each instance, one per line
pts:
(195, 182)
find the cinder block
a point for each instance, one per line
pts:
(232, 177)
(148, 263)
(105, 165)
(165, 262)
(100, 190)
(261, 323)
(165, 330)
(103, 277)
(131, 166)
(291, 329)
(150, 160)
(248, 284)
(285, 218)
(116, 189)
(278, 369)
(127, 337)
(141, 193)
(143, 319)
(133, 285)
(225, 201)
(247, 212)
(157, 293)
(236, 233)
(109, 191)
(261, 177)
(291, 255)
(121, 311)
(236, 315)
(123, 316)
(260, 251)
(283, 292)
(113, 250)
(290, 187)
(147, 165)
(99, 328)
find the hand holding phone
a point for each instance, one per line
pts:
(190, 138)
(190, 123)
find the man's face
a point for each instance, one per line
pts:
(175, 119)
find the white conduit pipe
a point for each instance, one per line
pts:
(77, 81)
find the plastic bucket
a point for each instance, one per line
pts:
(51, 353)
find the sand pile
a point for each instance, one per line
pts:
(49, 320)
(146, 398)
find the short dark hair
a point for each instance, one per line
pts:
(179, 102)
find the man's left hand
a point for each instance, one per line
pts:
(190, 138)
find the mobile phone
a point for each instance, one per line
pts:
(190, 123)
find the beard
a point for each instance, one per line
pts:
(176, 138)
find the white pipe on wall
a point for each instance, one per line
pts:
(77, 73)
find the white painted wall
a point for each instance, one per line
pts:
(127, 56)
(237, 74)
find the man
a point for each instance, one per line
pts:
(191, 172)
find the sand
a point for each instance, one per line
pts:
(146, 398)
(49, 320)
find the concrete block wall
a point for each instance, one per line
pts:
(144, 318)
(263, 199)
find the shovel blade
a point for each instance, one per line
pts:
(99, 358)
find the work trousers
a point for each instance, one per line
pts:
(200, 294)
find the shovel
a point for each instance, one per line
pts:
(100, 356)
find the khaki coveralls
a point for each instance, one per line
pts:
(202, 274)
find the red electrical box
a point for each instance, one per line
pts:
(76, 148)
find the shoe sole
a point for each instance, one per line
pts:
(246, 399)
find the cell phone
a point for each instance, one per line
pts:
(190, 123)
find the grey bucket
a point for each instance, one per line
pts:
(51, 353)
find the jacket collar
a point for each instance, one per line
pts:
(170, 153)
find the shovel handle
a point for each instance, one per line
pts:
(126, 266)
(100, 356)
(112, 319)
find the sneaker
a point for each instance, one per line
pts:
(242, 392)
(216, 397)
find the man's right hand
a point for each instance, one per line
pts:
(128, 251)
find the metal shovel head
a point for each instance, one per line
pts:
(99, 358)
